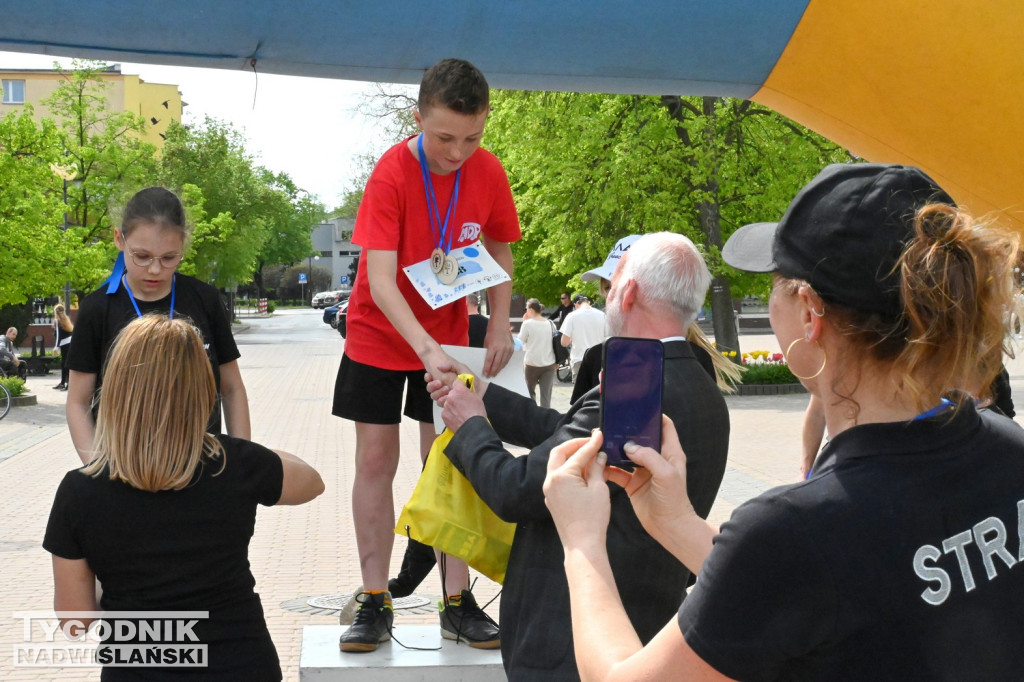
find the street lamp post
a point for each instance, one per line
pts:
(66, 173)
(309, 269)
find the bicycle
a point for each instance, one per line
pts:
(5, 396)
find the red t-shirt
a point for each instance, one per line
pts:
(393, 217)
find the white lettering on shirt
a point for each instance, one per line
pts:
(988, 536)
(470, 231)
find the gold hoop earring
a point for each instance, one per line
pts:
(824, 360)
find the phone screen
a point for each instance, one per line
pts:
(631, 381)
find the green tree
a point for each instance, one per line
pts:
(105, 161)
(244, 215)
(32, 248)
(588, 169)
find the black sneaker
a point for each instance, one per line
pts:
(372, 624)
(468, 623)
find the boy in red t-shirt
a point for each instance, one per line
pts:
(427, 195)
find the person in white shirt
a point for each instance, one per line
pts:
(535, 333)
(583, 328)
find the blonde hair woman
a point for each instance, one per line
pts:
(62, 329)
(163, 514)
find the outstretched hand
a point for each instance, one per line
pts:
(575, 491)
(439, 385)
(460, 405)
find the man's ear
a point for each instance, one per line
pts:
(629, 295)
(417, 117)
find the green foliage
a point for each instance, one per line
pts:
(768, 373)
(588, 169)
(271, 306)
(243, 215)
(104, 162)
(15, 385)
(32, 248)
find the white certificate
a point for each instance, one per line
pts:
(477, 271)
(512, 377)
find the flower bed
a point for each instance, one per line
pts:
(766, 373)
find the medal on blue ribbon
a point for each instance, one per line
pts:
(439, 257)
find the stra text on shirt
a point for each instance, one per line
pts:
(987, 538)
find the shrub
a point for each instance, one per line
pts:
(15, 385)
(271, 306)
(768, 373)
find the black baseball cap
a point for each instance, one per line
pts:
(842, 234)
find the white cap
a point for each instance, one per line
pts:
(606, 270)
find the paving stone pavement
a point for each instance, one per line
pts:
(306, 551)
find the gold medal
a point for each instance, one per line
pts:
(436, 261)
(449, 271)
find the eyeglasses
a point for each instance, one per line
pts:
(565, 298)
(168, 261)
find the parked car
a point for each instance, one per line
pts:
(336, 316)
(329, 298)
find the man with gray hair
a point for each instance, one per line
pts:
(656, 290)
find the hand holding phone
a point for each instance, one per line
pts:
(631, 386)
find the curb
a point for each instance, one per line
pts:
(24, 400)
(769, 389)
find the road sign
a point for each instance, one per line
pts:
(302, 278)
(344, 279)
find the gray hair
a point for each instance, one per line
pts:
(671, 273)
(534, 305)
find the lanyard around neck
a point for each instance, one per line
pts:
(944, 404)
(439, 229)
(131, 297)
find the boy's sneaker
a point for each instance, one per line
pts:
(372, 623)
(468, 623)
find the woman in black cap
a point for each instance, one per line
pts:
(901, 556)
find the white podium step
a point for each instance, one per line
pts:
(321, 660)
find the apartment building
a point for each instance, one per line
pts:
(157, 103)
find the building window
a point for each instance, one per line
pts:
(14, 91)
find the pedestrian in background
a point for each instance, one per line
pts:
(62, 329)
(564, 308)
(536, 334)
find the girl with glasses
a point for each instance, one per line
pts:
(152, 239)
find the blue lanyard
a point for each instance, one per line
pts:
(439, 229)
(131, 297)
(944, 404)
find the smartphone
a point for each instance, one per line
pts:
(631, 383)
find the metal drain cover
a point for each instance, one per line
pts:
(336, 602)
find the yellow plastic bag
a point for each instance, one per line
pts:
(445, 512)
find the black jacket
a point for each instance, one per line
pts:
(536, 631)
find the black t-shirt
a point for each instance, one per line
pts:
(179, 550)
(899, 559)
(477, 330)
(101, 316)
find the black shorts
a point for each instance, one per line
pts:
(368, 394)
